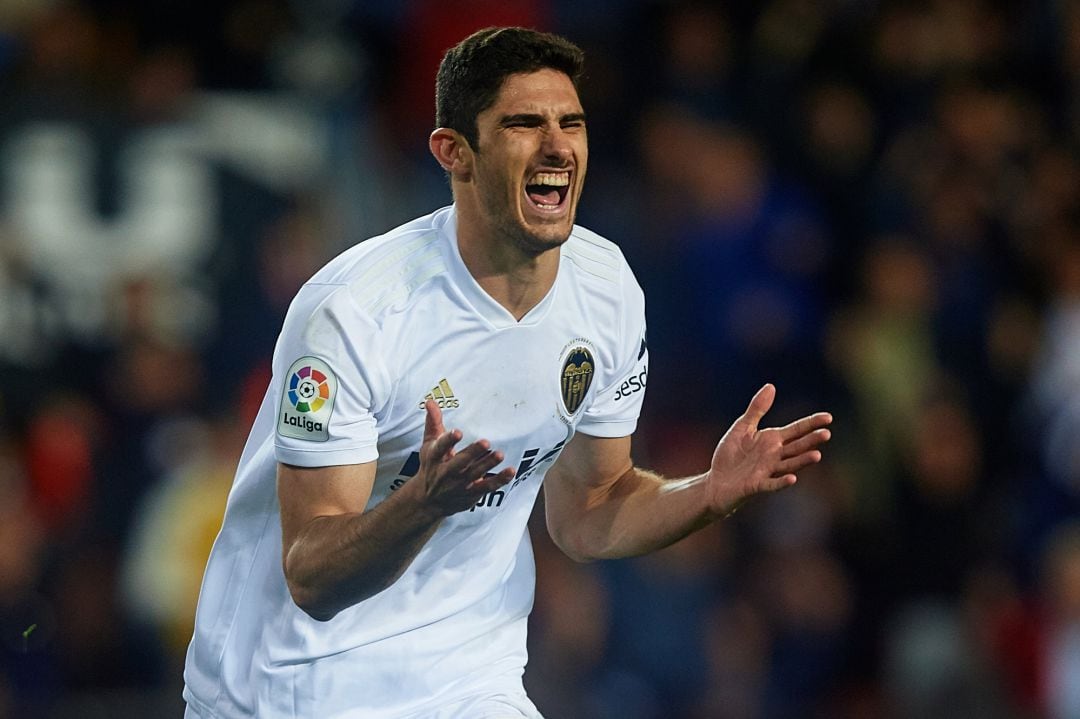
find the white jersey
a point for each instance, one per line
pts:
(390, 322)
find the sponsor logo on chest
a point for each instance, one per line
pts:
(532, 460)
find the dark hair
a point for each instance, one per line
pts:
(472, 72)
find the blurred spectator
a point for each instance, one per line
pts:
(178, 520)
(428, 29)
(31, 677)
(1061, 585)
(152, 389)
(60, 447)
(655, 664)
(743, 259)
(883, 348)
(569, 632)
(1033, 636)
(943, 523)
(97, 645)
(695, 56)
(933, 669)
(1052, 419)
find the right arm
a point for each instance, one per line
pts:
(335, 554)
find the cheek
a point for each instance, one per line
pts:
(498, 188)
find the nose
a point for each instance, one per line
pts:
(557, 146)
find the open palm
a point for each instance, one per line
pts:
(748, 460)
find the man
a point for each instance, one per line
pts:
(390, 574)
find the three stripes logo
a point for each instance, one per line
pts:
(443, 396)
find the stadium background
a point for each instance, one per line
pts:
(873, 204)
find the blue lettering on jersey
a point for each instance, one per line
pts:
(527, 467)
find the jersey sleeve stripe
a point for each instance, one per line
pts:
(380, 263)
(408, 285)
(397, 279)
(594, 254)
(593, 268)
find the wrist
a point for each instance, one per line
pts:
(732, 508)
(723, 506)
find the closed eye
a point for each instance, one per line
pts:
(572, 121)
(522, 121)
(566, 122)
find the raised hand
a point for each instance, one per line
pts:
(453, 481)
(749, 460)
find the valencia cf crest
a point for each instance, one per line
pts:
(576, 377)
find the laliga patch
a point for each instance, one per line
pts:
(307, 400)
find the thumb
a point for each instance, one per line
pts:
(433, 424)
(759, 405)
(438, 443)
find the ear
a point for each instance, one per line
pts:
(452, 151)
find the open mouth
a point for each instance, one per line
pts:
(548, 190)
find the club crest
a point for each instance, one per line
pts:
(577, 376)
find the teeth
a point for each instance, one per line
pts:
(554, 179)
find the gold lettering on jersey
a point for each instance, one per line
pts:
(577, 375)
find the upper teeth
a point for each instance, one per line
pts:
(557, 179)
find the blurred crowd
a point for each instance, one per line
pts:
(874, 204)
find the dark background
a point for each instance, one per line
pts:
(873, 204)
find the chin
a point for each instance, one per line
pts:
(554, 230)
(549, 237)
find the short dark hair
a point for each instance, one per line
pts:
(473, 71)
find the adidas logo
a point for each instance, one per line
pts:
(443, 396)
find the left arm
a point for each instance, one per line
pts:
(600, 506)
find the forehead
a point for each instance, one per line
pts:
(544, 91)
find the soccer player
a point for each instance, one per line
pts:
(374, 559)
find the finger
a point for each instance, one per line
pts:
(805, 443)
(443, 445)
(491, 482)
(474, 460)
(478, 449)
(797, 463)
(433, 424)
(470, 465)
(782, 482)
(759, 405)
(806, 425)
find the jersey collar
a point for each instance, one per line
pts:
(481, 301)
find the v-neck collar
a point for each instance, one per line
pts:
(488, 308)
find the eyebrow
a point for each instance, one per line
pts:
(532, 117)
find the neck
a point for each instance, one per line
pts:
(515, 279)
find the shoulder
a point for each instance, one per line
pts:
(351, 294)
(597, 261)
(385, 270)
(595, 255)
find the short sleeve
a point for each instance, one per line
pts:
(615, 409)
(329, 381)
